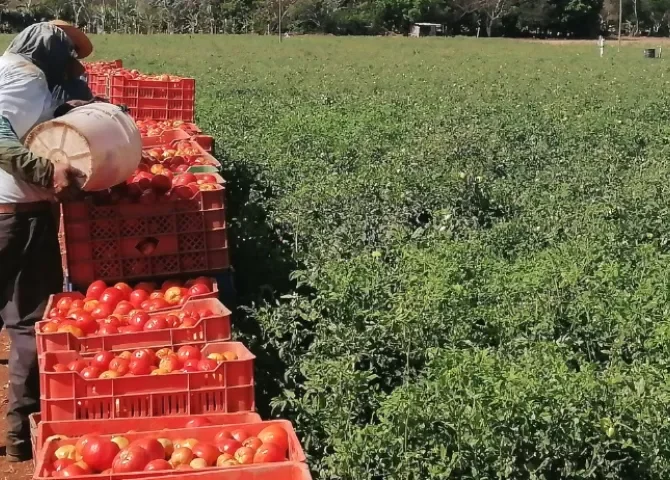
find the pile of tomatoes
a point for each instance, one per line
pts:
(155, 128)
(230, 447)
(179, 157)
(146, 361)
(122, 309)
(101, 67)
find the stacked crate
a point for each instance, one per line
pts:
(132, 297)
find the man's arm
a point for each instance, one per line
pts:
(19, 162)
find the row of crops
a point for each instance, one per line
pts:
(464, 250)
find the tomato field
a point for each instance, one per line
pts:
(451, 256)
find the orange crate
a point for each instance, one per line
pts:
(158, 100)
(215, 328)
(134, 241)
(41, 431)
(296, 455)
(69, 396)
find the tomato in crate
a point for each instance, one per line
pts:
(43, 431)
(147, 382)
(246, 448)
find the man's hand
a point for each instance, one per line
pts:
(65, 184)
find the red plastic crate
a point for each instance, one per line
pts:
(158, 100)
(98, 83)
(68, 396)
(215, 328)
(296, 455)
(108, 242)
(41, 431)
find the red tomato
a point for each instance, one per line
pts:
(49, 327)
(119, 365)
(124, 307)
(81, 443)
(188, 321)
(208, 452)
(199, 289)
(172, 321)
(108, 330)
(131, 459)
(207, 365)
(253, 443)
(158, 465)
(184, 179)
(99, 453)
(102, 360)
(157, 304)
(276, 435)
(62, 463)
(101, 311)
(244, 455)
(90, 373)
(77, 304)
(198, 422)
(73, 470)
(95, 289)
(60, 368)
(188, 352)
(64, 304)
(138, 296)
(228, 445)
(240, 434)
(125, 289)
(145, 353)
(111, 320)
(269, 453)
(77, 365)
(85, 322)
(156, 323)
(190, 365)
(139, 367)
(205, 281)
(139, 319)
(111, 296)
(152, 446)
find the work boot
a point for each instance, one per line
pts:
(21, 452)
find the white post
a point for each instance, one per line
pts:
(601, 45)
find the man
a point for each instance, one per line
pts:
(40, 59)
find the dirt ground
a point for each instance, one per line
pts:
(18, 471)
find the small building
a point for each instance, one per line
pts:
(426, 29)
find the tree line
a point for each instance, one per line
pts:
(511, 18)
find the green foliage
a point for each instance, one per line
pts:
(451, 256)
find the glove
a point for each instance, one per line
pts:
(65, 184)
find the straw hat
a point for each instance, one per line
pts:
(82, 44)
